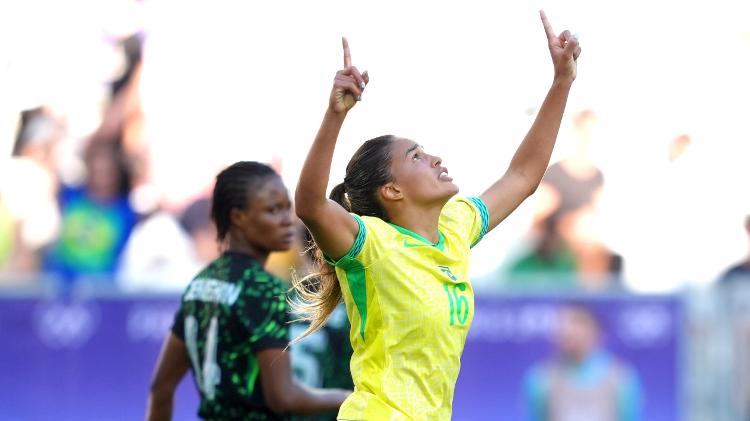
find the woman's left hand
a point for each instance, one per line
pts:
(564, 50)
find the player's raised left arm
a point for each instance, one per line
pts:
(530, 161)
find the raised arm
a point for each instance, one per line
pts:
(331, 225)
(532, 157)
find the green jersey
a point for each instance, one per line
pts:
(232, 310)
(322, 359)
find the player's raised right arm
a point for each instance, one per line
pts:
(331, 225)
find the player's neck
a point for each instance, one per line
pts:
(422, 221)
(240, 245)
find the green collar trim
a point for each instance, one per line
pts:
(441, 239)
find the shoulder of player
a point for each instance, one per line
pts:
(258, 277)
(383, 236)
(455, 213)
(457, 205)
(237, 268)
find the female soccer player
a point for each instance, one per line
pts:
(232, 327)
(400, 246)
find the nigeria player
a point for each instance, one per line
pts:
(396, 246)
(232, 326)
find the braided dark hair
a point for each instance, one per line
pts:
(234, 187)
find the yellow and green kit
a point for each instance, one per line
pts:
(410, 304)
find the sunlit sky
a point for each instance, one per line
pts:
(225, 81)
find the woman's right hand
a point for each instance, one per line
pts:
(347, 85)
(564, 49)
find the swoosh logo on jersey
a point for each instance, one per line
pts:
(407, 244)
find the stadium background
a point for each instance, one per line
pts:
(222, 81)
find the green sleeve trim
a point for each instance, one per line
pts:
(355, 274)
(359, 243)
(355, 277)
(253, 375)
(485, 214)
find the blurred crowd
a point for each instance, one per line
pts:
(84, 208)
(90, 207)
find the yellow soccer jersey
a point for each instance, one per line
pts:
(410, 304)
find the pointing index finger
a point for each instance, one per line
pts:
(347, 54)
(547, 27)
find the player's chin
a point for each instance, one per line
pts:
(447, 191)
(451, 188)
(282, 244)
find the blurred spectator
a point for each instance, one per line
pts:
(37, 137)
(583, 381)
(569, 193)
(196, 221)
(734, 288)
(29, 218)
(741, 271)
(131, 113)
(550, 263)
(576, 181)
(132, 47)
(163, 253)
(7, 235)
(122, 122)
(96, 217)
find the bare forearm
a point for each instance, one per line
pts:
(532, 157)
(308, 400)
(159, 408)
(172, 365)
(313, 182)
(301, 399)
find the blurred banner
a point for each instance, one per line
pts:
(511, 335)
(68, 359)
(74, 359)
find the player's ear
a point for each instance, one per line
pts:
(237, 217)
(391, 191)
